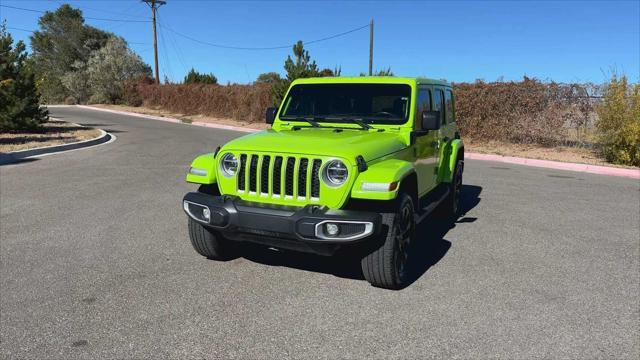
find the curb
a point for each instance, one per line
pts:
(548, 164)
(557, 165)
(14, 156)
(172, 120)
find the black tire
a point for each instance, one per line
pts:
(210, 244)
(451, 205)
(387, 266)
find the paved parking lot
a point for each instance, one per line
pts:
(95, 261)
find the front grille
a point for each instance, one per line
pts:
(302, 178)
(253, 169)
(315, 178)
(276, 176)
(288, 177)
(241, 182)
(264, 175)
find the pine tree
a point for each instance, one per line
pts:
(19, 98)
(194, 77)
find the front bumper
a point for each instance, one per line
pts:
(302, 229)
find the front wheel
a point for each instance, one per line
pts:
(210, 244)
(386, 266)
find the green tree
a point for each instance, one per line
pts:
(194, 77)
(62, 41)
(110, 67)
(301, 67)
(76, 82)
(19, 98)
(619, 121)
(383, 72)
(326, 72)
(268, 78)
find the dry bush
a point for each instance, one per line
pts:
(239, 102)
(528, 111)
(619, 121)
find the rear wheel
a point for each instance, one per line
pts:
(451, 205)
(209, 243)
(386, 266)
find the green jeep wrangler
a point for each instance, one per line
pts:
(349, 163)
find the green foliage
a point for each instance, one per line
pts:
(76, 82)
(383, 72)
(194, 77)
(302, 67)
(268, 78)
(326, 72)
(19, 98)
(619, 122)
(63, 44)
(110, 67)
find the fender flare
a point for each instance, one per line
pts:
(449, 157)
(206, 162)
(386, 171)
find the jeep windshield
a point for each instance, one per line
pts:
(348, 103)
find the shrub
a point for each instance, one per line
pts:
(528, 111)
(268, 78)
(619, 122)
(240, 102)
(19, 98)
(194, 77)
(110, 67)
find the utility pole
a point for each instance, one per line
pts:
(371, 48)
(154, 5)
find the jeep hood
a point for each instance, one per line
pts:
(322, 142)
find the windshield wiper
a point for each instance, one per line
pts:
(356, 121)
(313, 120)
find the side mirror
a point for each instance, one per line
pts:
(271, 115)
(430, 120)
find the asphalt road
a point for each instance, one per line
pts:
(95, 262)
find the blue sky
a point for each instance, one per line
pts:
(457, 41)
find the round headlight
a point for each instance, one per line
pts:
(335, 173)
(229, 164)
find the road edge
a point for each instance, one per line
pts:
(547, 164)
(15, 156)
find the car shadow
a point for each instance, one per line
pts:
(428, 249)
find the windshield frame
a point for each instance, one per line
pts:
(343, 119)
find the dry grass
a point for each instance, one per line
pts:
(157, 111)
(52, 133)
(533, 151)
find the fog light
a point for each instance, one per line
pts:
(206, 214)
(332, 229)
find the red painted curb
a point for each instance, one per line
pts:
(547, 164)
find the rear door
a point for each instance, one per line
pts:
(425, 148)
(448, 127)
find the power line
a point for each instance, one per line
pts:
(86, 17)
(262, 48)
(177, 49)
(19, 29)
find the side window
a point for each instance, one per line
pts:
(423, 104)
(450, 114)
(438, 104)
